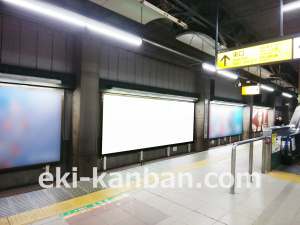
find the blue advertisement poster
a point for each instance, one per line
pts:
(30, 125)
(225, 120)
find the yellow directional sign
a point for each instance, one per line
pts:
(251, 90)
(266, 53)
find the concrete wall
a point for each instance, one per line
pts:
(28, 44)
(131, 67)
(225, 88)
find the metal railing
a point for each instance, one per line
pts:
(233, 158)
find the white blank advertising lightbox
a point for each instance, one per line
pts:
(296, 48)
(131, 123)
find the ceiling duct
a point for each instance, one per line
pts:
(280, 75)
(132, 10)
(165, 14)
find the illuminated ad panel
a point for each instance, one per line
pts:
(259, 119)
(259, 54)
(297, 48)
(131, 123)
(251, 90)
(30, 125)
(225, 120)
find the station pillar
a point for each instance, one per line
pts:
(247, 117)
(202, 112)
(85, 118)
(271, 111)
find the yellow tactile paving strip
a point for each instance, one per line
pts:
(290, 177)
(4, 221)
(61, 207)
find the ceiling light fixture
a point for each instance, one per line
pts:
(76, 19)
(260, 107)
(224, 73)
(209, 67)
(227, 103)
(12, 78)
(50, 10)
(267, 88)
(291, 6)
(116, 90)
(287, 95)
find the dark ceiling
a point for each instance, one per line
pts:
(240, 22)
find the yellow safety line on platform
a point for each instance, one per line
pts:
(290, 177)
(4, 221)
(68, 205)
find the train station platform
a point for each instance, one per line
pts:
(127, 112)
(272, 198)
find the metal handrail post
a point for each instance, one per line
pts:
(263, 164)
(251, 161)
(233, 159)
(233, 165)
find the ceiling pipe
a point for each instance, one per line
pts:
(195, 14)
(217, 33)
(163, 13)
(171, 50)
(281, 19)
(241, 22)
(257, 13)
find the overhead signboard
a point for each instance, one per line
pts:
(296, 48)
(250, 90)
(259, 54)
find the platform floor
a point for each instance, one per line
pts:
(294, 169)
(276, 201)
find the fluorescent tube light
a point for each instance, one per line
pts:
(124, 91)
(113, 32)
(20, 78)
(209, 67)
(50, 10)
(260, 107)
(291, 6)
(212, 68)
(267, 88)
(228, 74)
(287, 95)
(76, 19)
(227, 103)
